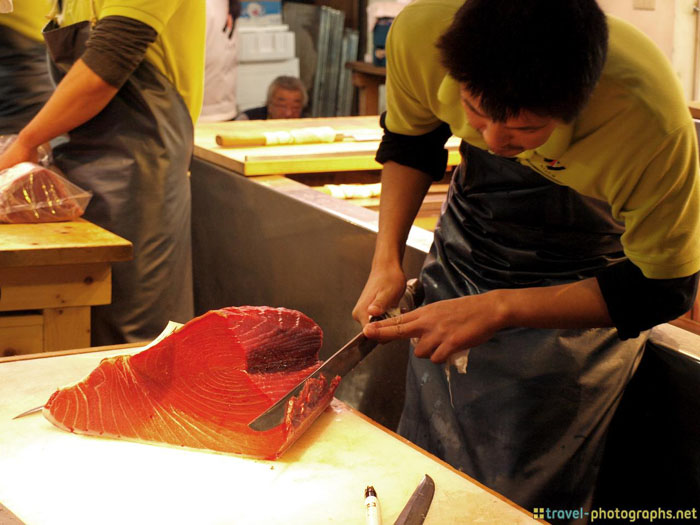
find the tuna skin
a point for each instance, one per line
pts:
(202, 385)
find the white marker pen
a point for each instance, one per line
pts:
(372, 513)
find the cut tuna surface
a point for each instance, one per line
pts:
(202, 385)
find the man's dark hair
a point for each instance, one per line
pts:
(545, 56)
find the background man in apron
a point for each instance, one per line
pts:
(24, 74)
(129, 77)
(570, 228)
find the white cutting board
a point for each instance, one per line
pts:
(48, 476)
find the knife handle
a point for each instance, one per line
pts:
(412, 298)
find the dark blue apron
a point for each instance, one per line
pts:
(529, 417)
(24, 80)
(134, 155)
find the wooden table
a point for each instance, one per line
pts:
(50, 276)
(54, 477)
(302, 158)
(367, 78)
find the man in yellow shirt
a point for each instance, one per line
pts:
(129, 77)
(570, 229)
(24, 76)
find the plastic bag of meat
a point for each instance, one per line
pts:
(32, 193)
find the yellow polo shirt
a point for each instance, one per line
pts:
(28, 17)
(178, 52)
(633, 145)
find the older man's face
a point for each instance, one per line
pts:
(285, 103)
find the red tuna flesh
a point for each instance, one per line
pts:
(202, 385)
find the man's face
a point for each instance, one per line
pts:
(285, 104)
(515, 135)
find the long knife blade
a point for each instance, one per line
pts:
(339, 364)
(418, 504)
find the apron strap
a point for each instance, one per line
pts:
(57, 9)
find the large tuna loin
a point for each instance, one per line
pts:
(202, 385)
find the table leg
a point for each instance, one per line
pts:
(66, 328)
(368, 93)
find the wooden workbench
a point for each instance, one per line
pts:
(53, 477)
(50, 276)
(301, 158)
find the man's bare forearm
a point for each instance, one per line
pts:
(444, 327)
(78, 97)
(403, 190)
(574, 305)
